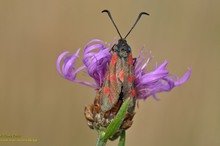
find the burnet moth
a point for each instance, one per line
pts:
(118, 85)
(119, 79)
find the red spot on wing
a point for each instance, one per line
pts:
(106, 90)
(133, 93)
(121, 76)
(130, 79)
(114, 58)
(112, 78)
(130, 60)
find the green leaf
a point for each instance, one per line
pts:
(122, 139)
(117, 121)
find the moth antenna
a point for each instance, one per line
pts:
(110, 16)
(139, 16)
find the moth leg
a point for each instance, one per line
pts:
(112, 49)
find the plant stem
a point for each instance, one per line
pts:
(100, 141)
(122, 139)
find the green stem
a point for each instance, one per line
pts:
(100, 141)
(122, 139)
(117, 121)
(114, 126)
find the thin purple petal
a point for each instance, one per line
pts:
(59, 60)
(67, 69)
(184, 78)
(96, 59)
(158, 80)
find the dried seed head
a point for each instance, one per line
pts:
(97, 119)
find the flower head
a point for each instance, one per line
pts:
(98, 62)
(96, 59)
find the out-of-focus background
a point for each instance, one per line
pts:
(35, 102)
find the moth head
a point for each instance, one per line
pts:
(122, 48)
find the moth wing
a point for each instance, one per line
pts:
(112, 86)
(128, 84)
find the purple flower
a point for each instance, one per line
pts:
(96, 59)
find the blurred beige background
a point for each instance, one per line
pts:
(35, 102)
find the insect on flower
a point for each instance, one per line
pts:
(119, 82)
(117, 77)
